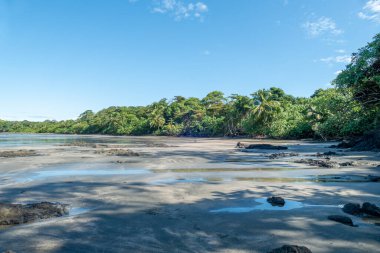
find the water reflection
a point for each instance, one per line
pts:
(64, 172)
(264, 205)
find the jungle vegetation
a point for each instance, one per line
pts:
(349, 109)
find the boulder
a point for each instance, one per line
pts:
(346, 164)
(352, 208)
(12, 214)
(276, 201)
(341, 219)
(240, 145)
(371, 209)
(291, 249)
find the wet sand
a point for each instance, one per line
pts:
(177, 196)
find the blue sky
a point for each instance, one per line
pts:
(59, 58)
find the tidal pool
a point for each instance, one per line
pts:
(77, 170)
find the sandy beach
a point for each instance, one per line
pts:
(161, 194)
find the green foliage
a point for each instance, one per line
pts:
(327, 114)
(362, 75)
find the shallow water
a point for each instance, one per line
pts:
(75, 170)
(78, 210)
(264, 205)
(39, 175)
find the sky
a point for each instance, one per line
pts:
(59, 58)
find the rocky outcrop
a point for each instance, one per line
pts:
(12, 214)
(291, 249)
(319, 163)
(371, 209)
(281, 155)
(368, 142)
(276, 201)
(352, 208)
(18, 153)
(367, 209)
(341, 219)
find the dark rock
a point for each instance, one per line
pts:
(346, 164)
(291, 249)
(11, 214)
(278, 155)
(240, 145)
(265, 146)
(319, 163)
(371, 209)
(344, 144)
(373, 178)
(341, 219)
(352, 208)
(276, 201)
(368, 142)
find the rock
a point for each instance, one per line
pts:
(346, 164)
(319, 163)
(12, 214)
(278, 155)
(341, 219)
(265, 146)
(352, 208)
(373, 178)
(291, 249)
(370, 141)
(118, 152)
(240, 145)
(371, 209)
(17, 153)
(276, 201)
(345, 144)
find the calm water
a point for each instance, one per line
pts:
(264, 205)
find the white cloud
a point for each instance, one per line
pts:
(321, 26)
(337, 59)
(371, 11)
(338, 72)
(181, 10)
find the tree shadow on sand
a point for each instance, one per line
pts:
(126, 217)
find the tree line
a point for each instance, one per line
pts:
(349, 109)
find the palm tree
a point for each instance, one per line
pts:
(264, 105)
